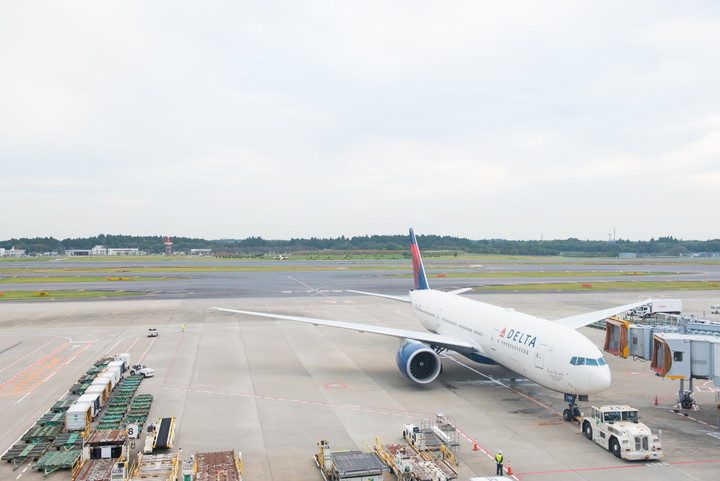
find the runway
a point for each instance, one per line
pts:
(272, 389)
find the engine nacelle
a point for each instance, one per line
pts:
(418, 362)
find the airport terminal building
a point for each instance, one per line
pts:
(105, 251)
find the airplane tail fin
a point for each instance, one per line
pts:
(418, 268)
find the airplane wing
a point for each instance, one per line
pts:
(581, 320)
(447, 342)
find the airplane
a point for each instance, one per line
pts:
(280, 257)
(551, 353)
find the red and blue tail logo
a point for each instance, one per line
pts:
(418, 269)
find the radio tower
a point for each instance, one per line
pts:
(168, 246)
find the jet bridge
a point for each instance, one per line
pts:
(683, 349)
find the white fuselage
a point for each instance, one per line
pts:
(550, 354)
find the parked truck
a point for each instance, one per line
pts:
(665, 306)
(619, 430)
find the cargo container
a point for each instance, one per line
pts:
(78, 417)
(122, 365)
(94, 400)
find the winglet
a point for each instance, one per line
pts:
(418, 268)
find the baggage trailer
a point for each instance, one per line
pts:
(157, 467)
(218, 466)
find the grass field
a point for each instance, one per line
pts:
(57, 279)
(44, 295)
(547, 274)
(608, 286)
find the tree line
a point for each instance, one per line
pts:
(257, 245)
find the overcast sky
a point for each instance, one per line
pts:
(280, 119)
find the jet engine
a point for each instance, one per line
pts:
(418, 362)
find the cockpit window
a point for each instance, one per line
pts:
(586, 361)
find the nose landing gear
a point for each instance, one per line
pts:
(573, 412)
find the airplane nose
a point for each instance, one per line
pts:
(600, 378)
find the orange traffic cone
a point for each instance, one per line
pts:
(476, 447)
(656, 400)
(509, 469)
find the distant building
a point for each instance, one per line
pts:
(627, 255)
(77, 252)
(200, 252)
(2, 252)
(104, 251)
(12, 252)
(124, 251)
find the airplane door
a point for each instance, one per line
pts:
(540, 356)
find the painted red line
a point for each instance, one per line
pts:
(687, 416)
(624, 466)
(586, 469)
(693, 462)
(33, 365)
(26, 355)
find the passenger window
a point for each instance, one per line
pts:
(678, 356)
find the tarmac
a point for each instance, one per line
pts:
(273, 389)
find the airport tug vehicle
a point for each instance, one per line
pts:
(142, 370)
(619, 430)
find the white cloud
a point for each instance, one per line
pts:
(280, 119)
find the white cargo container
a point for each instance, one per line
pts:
(124, 357)
(102, 389)
(112, 373)
(119, 364)
(78, 417)
(94, 401)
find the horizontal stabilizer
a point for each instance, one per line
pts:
(459, 291)
(386, 296)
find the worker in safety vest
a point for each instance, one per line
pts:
(499, 463)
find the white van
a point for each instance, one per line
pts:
(715, 309)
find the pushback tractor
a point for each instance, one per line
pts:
(619, 430)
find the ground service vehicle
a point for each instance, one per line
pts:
(666, 306)
(619, 430)
(142, 370)
(152, 332)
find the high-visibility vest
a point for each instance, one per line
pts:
(499, 458)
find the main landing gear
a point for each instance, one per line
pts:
(573, 412)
